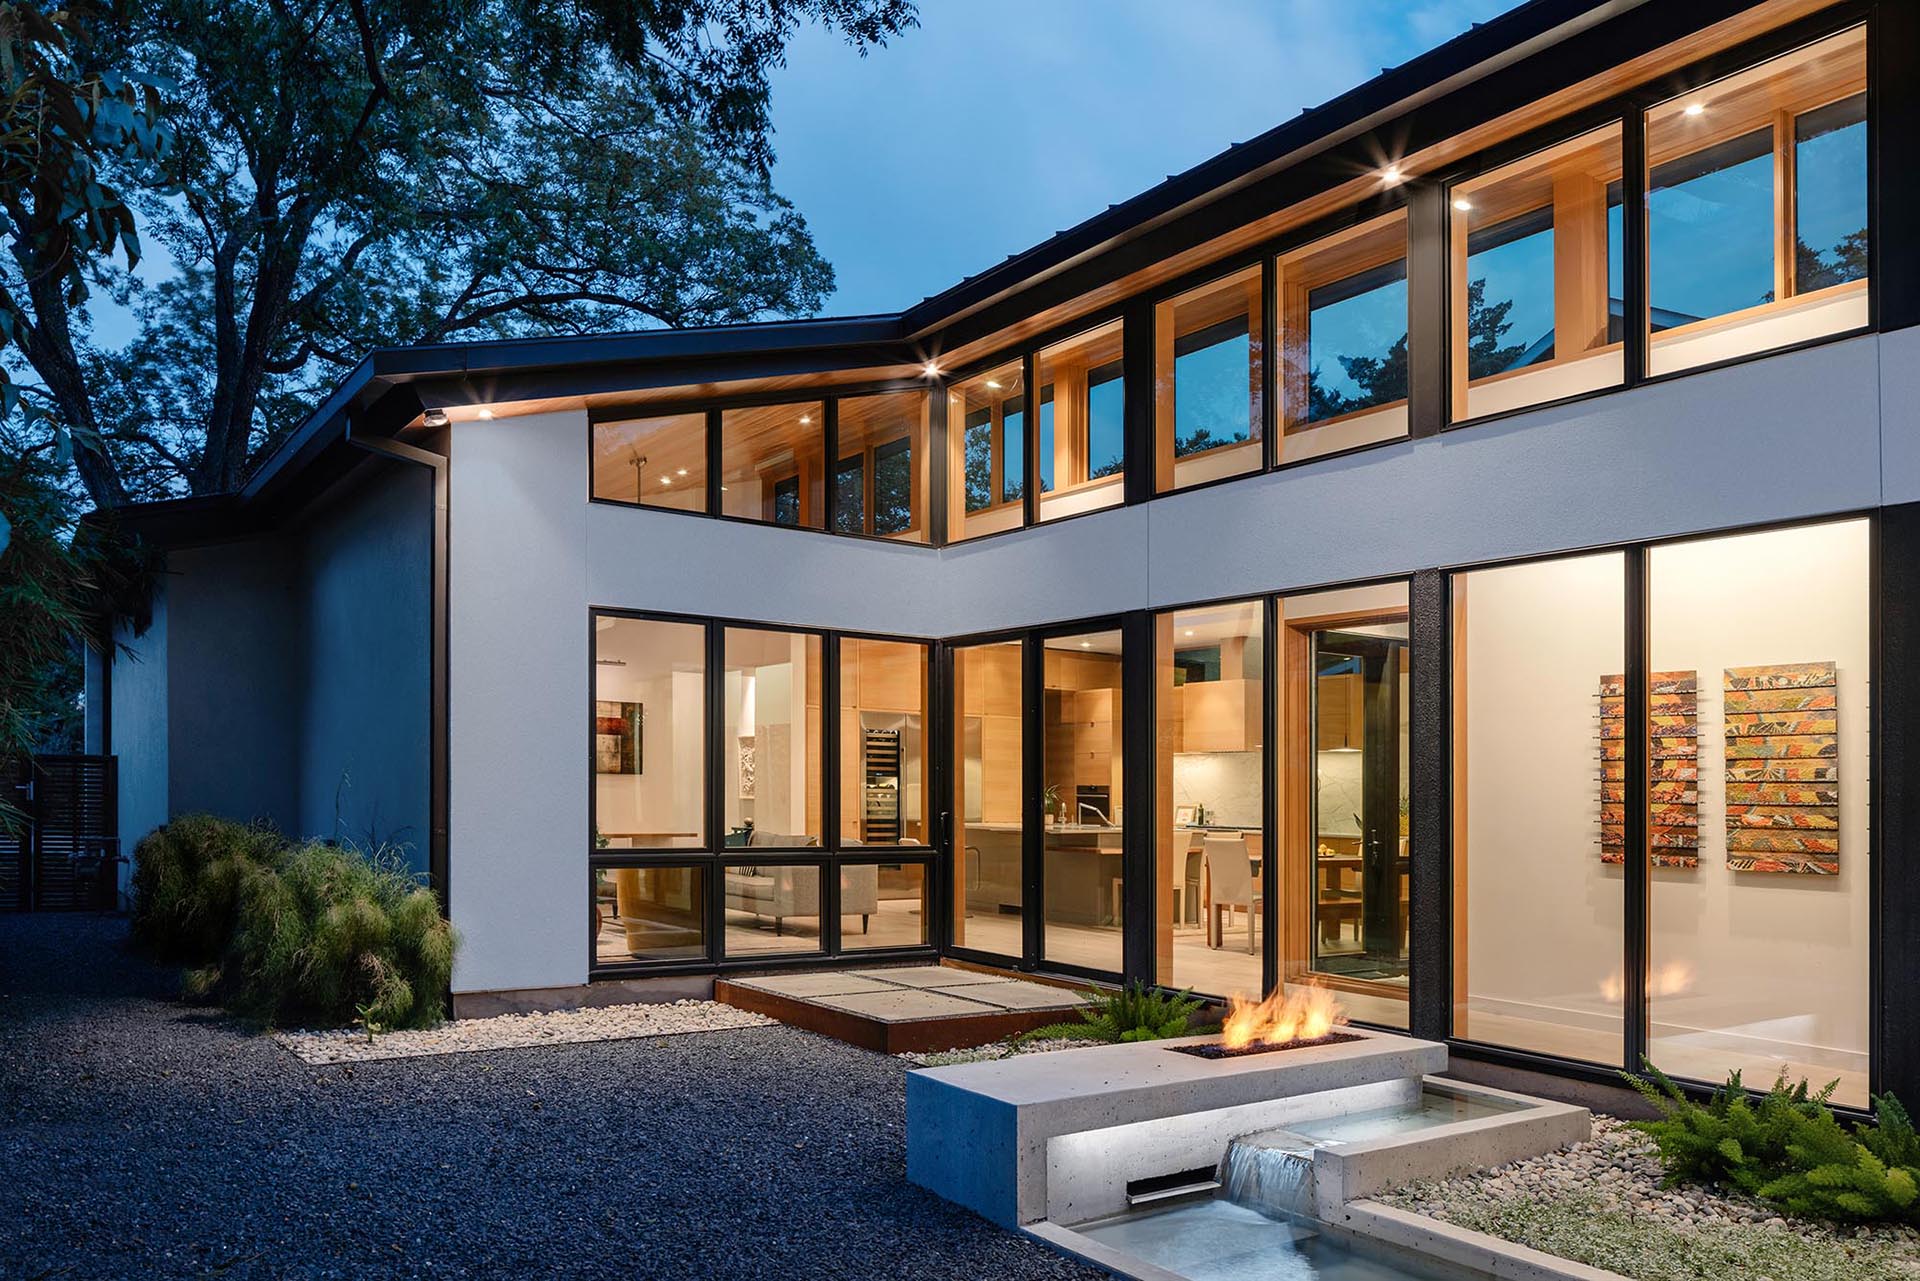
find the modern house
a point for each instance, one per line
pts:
(1459, 545)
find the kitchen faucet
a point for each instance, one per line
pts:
(1082, 813)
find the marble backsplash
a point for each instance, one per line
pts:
(1227, 783)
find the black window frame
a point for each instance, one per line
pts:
(714, 855)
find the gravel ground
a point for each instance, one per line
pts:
(519, 1031)
(141, 1138)
(1601, 1202)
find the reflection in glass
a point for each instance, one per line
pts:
(649, 733)
(771, 769)
(879, 482)
(1757, 208)
(773, 466)
(883, 750)
(989, 467)
(1538, 941)
(988, 696)
(771, 908)
(883, 905)
(1210, 869)
(1535, 279)
(1710, 231)
(1083, 447)
(1343, 349)
(658, 462)
(1207, 378)
(1081, 870)
(1830, 195)
(649, 914)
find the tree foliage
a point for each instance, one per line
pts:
(62, 586)
(64, 117)
(349, 175)
(1382, 379)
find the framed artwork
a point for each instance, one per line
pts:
(1783, 769)
(617, 737)
(1183, 815)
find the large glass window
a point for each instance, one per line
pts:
(771, 908)
(1343, 339)
(988, 855)
(883, 905)
(1760, 917)
(772, 464)
(650, 913)
(649, 733)
(1757, 208)
(1345, 779)
(1206, 382)
(986, 425)
(1539, 898)
(1082, 848)
(1210, 878)
(657, 462)
(1083, 431)
(1533, 260)
(884, 781)
(880, 479)
(771, 766)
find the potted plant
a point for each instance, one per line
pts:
(1050, 801)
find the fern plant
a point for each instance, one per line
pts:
(1871, 1173)
(1733, 1139)
(1136, 1012)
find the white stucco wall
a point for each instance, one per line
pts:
(1796, 435)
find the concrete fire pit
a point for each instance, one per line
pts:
(994, 1136)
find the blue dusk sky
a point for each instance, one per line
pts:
(996, 123)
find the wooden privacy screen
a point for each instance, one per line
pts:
(1673, 769)
(1783, 772)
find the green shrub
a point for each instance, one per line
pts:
(314, 933)
(1788, 1148)
(1136, 1012)
(188, 879)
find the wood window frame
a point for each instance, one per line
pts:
(1337, 256)
(1166, 339)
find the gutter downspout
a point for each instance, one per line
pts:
(437, 768)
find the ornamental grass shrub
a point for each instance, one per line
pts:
(1788, 1148)
(285, 933)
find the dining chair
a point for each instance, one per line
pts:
(1230, 885)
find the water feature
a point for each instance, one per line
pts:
(1216, 1240)
(1271, 1172)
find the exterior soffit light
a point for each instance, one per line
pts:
(1696, 108)
(1463, 205)
(483, 413)
(434, 418)
(1392, 176)
(932, 370)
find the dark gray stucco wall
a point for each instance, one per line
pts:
(364, 611)
(232, 659)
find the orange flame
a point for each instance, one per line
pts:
(1307, 1013)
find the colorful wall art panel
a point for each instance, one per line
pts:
(1673, 769)
(1783, 769)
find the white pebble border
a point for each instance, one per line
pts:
(987, 1053)
(1618, 1172)
(518, 1031)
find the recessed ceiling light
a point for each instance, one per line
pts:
(805, 419)
(1463, 205)
(434, 418)
(932, 370)
(1189, 631)
(1392, 176)
(1696, 108)
(484, 412)
(1086, 644)
(992, 385)
(666, 480)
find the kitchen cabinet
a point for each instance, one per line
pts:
(1341, 722)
